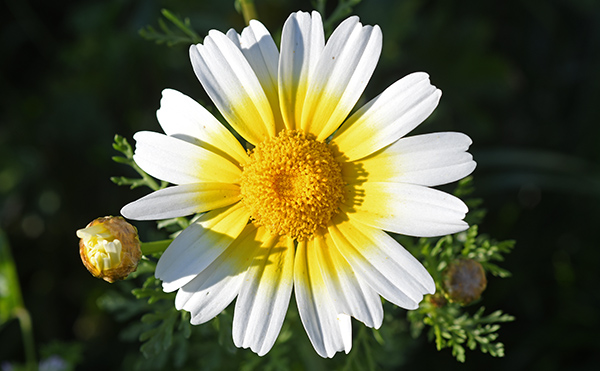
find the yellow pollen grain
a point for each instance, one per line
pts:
(292, 185)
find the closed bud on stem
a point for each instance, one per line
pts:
(109, 248)
(464, 281)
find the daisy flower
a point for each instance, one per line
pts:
(307, 207)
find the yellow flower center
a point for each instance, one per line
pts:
(292, 185)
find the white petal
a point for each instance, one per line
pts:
(430, 160)
(264, 296)
(211, 291)
(328, 332)
(388, 117)
(182, 200)
(382, 262)
(232, 85)
(199, 245)
(342, 73)
(346, 328)
(182, 117)
(234, 37)
(179, 162)
(302, 41)
(351, 294)
(407, 209)
(260, 50)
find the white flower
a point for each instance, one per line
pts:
(301, 210)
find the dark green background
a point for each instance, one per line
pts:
(520, 77)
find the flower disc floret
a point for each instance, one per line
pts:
(292, 185)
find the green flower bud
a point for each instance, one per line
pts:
(109, 248)
(464, 281)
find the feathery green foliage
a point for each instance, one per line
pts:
(122, 145)
(451, 325)
(183, 34)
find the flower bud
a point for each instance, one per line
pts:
(464, 281)
(109, 248)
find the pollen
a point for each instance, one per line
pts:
(292, 185)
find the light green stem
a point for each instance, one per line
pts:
(27, 333)
(155, 246)
(151, 182)
(320, 6)
(248, 10)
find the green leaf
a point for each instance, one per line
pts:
(343, 9)
(182, 34)
(10, 291)
(452, 328)
(180, 222)
(122, 145)
(124, 181)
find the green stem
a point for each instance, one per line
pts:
(151, 182)
(27, 333)
(320, 6)
(342, 10)
(365, 341)
(248, 10)
(181, 25)
(155, 246)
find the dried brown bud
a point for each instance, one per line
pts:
(464, 281)
(109, 248)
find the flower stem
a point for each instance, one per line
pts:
(27, 333)
(153, 247)
(149, 181)
(320, 7)
(248, 10)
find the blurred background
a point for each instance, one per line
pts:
(521, 78)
